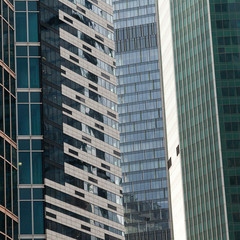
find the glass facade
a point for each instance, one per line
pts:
(29, 135)
(83, 196)
(225, 22)
(141, 123)
(8, 146)
(206, 63)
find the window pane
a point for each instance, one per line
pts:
(37, 168)
(33, 27)
(35, 119)
(38, 217)
(25, 218)
(21, 27)
(2, 198)
(34, 73)
(22, 73)
(23, 119)
(24, 168)
(8, 187)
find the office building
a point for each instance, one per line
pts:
(29, 134)
(141, 122)
(67, 121)
(201, 78)
(8, 146)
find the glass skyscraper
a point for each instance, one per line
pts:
(201, 77)
(141, 123)
(8, 146)
(29, 134)
(67, 121)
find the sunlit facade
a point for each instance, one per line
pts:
(141, 123)
(67, 121)
(201, 79)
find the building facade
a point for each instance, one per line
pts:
(8, 146)
(141, 123)
(29, 124)
(200, 63)
(69, 139)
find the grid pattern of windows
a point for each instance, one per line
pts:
(140, 121)
(8, 161)
(30, 149)
(80, 134)
(226, 32)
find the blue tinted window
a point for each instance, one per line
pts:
(24, 168)
(37, 193)
(21, 50)
(2, 196)
(38, 217)
(22, 73)
(32, 6)
(25, 193)
(24, 145)
(34, 73)
(33, 51)
(36, 144)
(21, 27)
(25, 217)
(37, 168)
(23, 119)
(23, 97)
(20, 6)
(35, 119)
(35, 97)
(33, 27)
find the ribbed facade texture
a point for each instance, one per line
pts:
(8, 146)
(205, 149)
(141, 123)
(68, 156)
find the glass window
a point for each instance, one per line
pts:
(24, 144)
(25, 217)
(25, 193)
(35, 97)
(2, 221)
(38, 217)
(33, 50)
(23, 119)
(37, 168)
(20, 6)
(8, 187)
(2, 196)
(22, 72)
(36, 144)
(9, 226)
(21, 50)
(23, 97)
(33, 27)
(35, 119)
(37, 193)
(34, 73)
(21, 26)
(32, 6)
(24, 168)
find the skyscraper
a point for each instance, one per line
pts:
(141, 122)
(8, 146)
(29, 134)
(201, 78)
(76, 142)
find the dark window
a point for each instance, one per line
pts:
(169, 163)
(177, 150)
